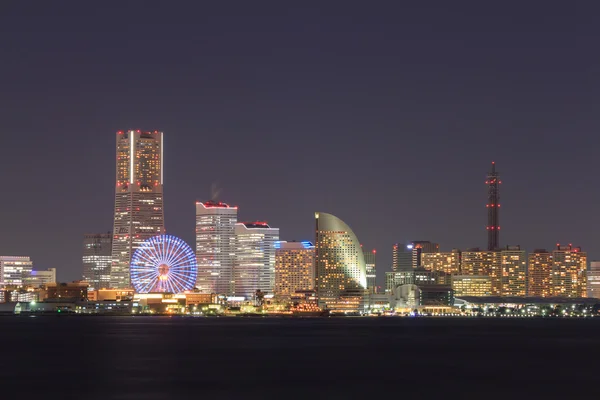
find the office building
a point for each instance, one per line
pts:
(419, 276)
(479, 262)
(448, 262)
(493, 209)
(41, 278)
(539, 279)
(569, 269)
(420, 247)
(339, 261)
(294, 268)
(215, 246)
(97, 258)
(15, 271)
(398, 278)
(370, 258)
(402, 259)
(254, 264)
(138, 198)
(593, 280)
(471, 285)
(436, 295)
(514, 271)
(72, 290)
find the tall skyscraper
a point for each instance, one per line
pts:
(339, 261)
(493, 208)
(294, 267)
(15, 271)
(97, 258)
(448, 262)
(215, 246)
(569, 271)
(593, 280)
(539, 278)
(254, 265)
(370, 261)
(138, 198)
(514, 271)
(402, 259)
(488, 263)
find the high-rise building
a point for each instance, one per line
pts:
(40, 278)
(514, 271)
(593, 280)
(493, 208)
(370, 258)
(15, 271)
(471, 285)
(539, 279)
(138, 198)
(420, 247)
(294, 268)
(339, 261)
(254, 264)
(569, 271)
(402, 257)
(489, 263)
(97, 259)
(215, 246)
(448, 262)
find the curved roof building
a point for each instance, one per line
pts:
(339, 260)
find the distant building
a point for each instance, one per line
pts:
(402, 257)
(471, 285)
(138, 198)
(493, 210)
(339, 263)
(294, 268)
(418, 277)
(539, 273)
(215, 246)
(569, 271)
(254, 265)
(448, 262)
(398, 278)
(420, 247)
(71, 290)
(15, 271)
(370, 261)
(97, 259)
(41, 278)
(514, 271)
(481, 262)
(593, 280)
(436, 295)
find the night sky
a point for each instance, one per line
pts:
(386, 115)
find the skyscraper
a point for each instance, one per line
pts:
(488, 263)
(493, 208)
(420, 247)
(540, 273)
(569, 271)
(294, 267)
(215, 246)
(339, 261)
(402, 257)
(138, 198)
(448, 262)
(254, 265)
(15, 271)
(593, 280)
(370, 261)
(514, 271)
(97, 258)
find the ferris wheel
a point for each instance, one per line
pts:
(163, 263)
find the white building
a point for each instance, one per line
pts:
(254, 266)
(215, 246)
(15, 271)
(41, 278)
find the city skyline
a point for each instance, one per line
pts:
(410, 91)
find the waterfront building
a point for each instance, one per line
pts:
(569, 269)
(254, 264)
(593, 280)
(294, 268)
(41, 278)
(138, 198)
(97, 259)
(514, 271)
(215, 246)
(419, 277)
(73, 290)
(471, 285)
(435, 295)
(15, 271)
(489, 263)
(539, 278)
(448, 262)
(339, 261)
(370, 261)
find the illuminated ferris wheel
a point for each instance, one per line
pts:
(163, 263)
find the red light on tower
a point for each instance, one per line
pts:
(374, 251)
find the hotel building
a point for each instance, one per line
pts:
(569, 271)
(514, 271)
(138, 198)
(97, 258)
(489, 263)
(448, 262)
(294, 268)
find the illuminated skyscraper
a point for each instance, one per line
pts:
(448, 262)
(540, 274)
(569, 271)
(294, 267)
(489, 263)
(15, 271)
(254, 264)
(514, 271)
(493, 208)
(138, 198)
(97, 258)
(339, 261)
(370, 261)
(215, 246)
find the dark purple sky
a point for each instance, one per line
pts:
(385, 115)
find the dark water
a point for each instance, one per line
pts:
(235, 358)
